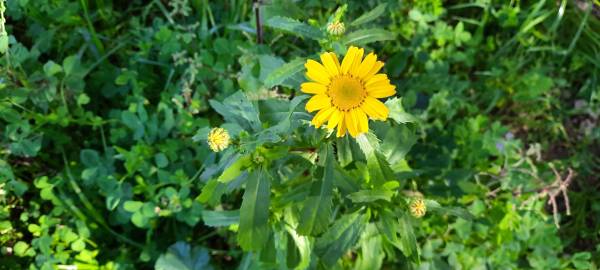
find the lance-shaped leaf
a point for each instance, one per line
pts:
(220, 218)
(342, 236)
(408, 240)
(235, 169)
(317, 207)
(365, 196)
(435, 207)
(238, 109)
(379, 169)
(398, 113)
(398, 141)
(304, 248)
(362, 37)
(371, 15)
(284, 72)
(294, 27)
(254, 213)
(344, 151)
(372, 255)
(387, 227)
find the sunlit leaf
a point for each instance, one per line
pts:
(294, 27)
(371, 15)
(254, 212)
(316, 212)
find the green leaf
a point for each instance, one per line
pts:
(161, 160)
(235, 169)
(220, 218)
(78, 245)
(21, 249)
(133, 206)
(387, 226)
(180, 256)
(397, 142)
(372, 255)
(365, 36)
(316, 212)
(3, 43)
(344, 151)
(379, 169)
(51, 68)
(69, 64)
(238, 109)
(397, 111)
(434, 206)
(139, 219)
(212, 192)
(134, 123)
(581, 260)
(369, 16)
(342, 236)
(365, 196)
(83, 99)
(90, 158)
(408, 240)
(27, 147)
(89, 174)
(294, 27)
(304, 247)
(254, 212)
(284, 72)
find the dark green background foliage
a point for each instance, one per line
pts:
(105, 106)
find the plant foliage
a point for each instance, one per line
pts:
(106, 108)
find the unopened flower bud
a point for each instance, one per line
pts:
(417, 207)
(336, 28)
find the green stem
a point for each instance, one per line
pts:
(91, 27)
(90, 208)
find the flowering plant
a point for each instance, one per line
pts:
(326, 179)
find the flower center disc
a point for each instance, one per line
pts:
(346, 92)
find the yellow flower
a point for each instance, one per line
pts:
(218, 139)
(346, 94)
(417, 207)
(336, 28)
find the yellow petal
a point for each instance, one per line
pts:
(335, 60)
(378, 84)
(366, 65)
(363, 121)
(322, 116)
(335, 118)
(375, 109)
(357, 60)
(376, 67)
(370, 111)
(316, 72)
(341, 131)
(318, 77)
(318, 102)
(332, 67)
(376, 79)
(313, 88)
(348, 59)
(382, 91)
(351, 123)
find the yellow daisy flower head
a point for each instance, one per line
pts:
(218, 139)
(417, 207)
(346, 95)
